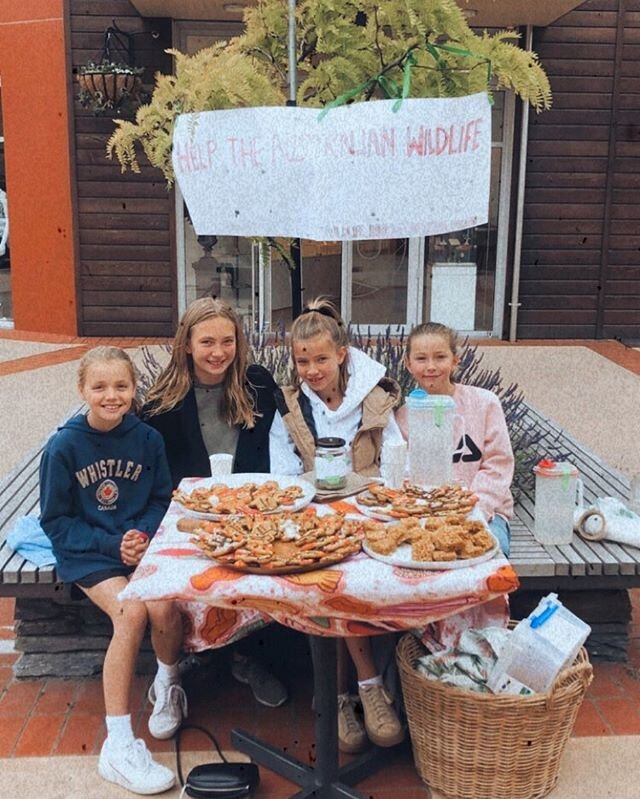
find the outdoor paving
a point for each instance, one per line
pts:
(60, 720)
(51, 730)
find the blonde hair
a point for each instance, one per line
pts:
(106, 355)
(434, 329)
(321, 317)
(176, 380)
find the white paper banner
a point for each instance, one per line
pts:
(360, 172)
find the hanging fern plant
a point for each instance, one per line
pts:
(346, 49)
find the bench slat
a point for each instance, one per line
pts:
(19, 496)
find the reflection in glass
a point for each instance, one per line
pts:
(379, 287)
(220, 266)
(320, 276)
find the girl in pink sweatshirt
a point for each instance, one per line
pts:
(483, 458)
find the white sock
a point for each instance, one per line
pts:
(377, 680)
(119, 730)
(167, 675)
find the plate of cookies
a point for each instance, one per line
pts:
(214, 498)
(432, 543)
(412, 501)
(282, 543)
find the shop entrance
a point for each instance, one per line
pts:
(457, 278)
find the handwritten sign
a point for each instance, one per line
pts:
(359, 172)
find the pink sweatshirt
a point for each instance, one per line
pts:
(484, 460)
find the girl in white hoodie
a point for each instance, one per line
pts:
(338, 391)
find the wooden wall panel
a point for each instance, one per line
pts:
(580, 274)
(127, 280)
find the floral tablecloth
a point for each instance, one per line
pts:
(359, 596)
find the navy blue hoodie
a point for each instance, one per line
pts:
(94, 486)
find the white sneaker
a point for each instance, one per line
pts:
(133, 768)
(169, 708)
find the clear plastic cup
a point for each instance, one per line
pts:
(393, 463)
(221, 464)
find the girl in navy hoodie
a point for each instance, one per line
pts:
(104, 488)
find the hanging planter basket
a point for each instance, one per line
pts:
(109, 87)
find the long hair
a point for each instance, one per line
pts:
(107, 355)
(236, 406)
(321, 317)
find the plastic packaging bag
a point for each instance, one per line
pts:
(608, 518)
(469, 663)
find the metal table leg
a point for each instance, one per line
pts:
(327, 780)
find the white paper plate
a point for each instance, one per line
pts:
(380, 512)
(236, 480)
(402, 557)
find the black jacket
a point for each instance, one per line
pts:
(180, 428)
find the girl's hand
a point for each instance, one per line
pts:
(133, 546)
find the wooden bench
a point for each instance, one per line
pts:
(19, 496)
(580, 567)
(581, 564)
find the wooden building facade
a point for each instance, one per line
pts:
(97, 252)
(580, 273)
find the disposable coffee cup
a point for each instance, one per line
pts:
(393, 464)
(221, 464)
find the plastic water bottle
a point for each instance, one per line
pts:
(431, 438)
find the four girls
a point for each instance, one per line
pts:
(106, 483)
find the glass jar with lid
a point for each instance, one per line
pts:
(331, 463)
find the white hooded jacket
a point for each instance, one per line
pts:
(343, 422)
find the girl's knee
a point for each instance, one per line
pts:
(164, 615)
(129, 616)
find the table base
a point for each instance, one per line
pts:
(326, 780)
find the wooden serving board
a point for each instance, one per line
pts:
(283, 549)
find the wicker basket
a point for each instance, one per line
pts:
(470, 745)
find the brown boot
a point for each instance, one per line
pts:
(351, 735)
(380, 719)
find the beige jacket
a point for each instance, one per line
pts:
(377, 408)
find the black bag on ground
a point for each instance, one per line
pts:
(223, 780)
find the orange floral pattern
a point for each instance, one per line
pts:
(218, 623)
(503, 581)
(216, 574)
(326, 580)
(359, 596)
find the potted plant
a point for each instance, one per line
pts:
(108, 86)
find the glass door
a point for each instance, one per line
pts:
(220, 266)
(379, 279)
(464, 270)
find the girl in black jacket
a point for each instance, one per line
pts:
(209, 401)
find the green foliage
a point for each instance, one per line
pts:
(109, 68)
(214, 78)
(341, 45)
